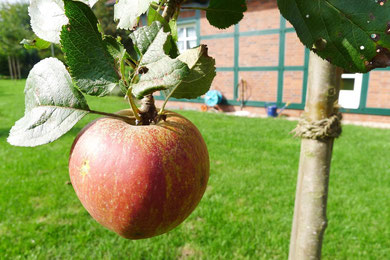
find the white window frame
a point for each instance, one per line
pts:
(350, 99)
(186, 38)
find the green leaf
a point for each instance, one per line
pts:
(354, 35)
(188, 76)
(92, 61)
(170, 26)
(129, 11)
(123, 87)
(163, 74)
(115, 49)
(47, 19)
(154, 16)
(53, 105)
(170, 46)
(202, 73)
(173, 26)
(91, 3)
(152, 37)
(150, 42)
(37, 43)
(224, 13)
(159, 71)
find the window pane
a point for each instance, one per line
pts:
(347, 84)
(180, 44)
(191, 44)
(191, 32)
(181, 33)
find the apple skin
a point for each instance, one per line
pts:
(139, 181)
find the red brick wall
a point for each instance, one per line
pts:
(261, 85)
(292, 86)
(288, 24)
(187, 13)
(263, 50)
(294, 51)
(266, 54)
(224, 82)
(222, 50)
(261, 15)
(366, 118)
(207, 29)
(378, 95)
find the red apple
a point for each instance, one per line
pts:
(139, 181)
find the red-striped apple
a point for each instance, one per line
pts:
(139, 181)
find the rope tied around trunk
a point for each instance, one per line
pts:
(319, 130)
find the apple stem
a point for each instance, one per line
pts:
(170, 9)
(133, 105)
(148, 111)
(124, 118)
(158, 6)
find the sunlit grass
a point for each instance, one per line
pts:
(247, 209)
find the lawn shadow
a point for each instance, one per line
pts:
(74, 131)
(4, 132)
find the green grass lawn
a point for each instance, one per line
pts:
(245, 214)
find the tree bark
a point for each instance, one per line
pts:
(52, 49)
(169, 9)
(18, 68)
(11, 72)
(310, 220)
(172, 6)
(14, 67)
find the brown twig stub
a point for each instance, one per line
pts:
(170, 9)
(148, 112)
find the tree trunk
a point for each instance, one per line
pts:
(11, 72)
(14, 67)
(18, 68)
(319, 126)
(52, 49)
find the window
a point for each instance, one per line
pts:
(351, 88)
(186, 36)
